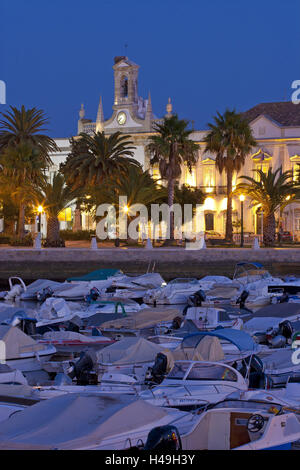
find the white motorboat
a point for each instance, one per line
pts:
(230, 425)
(191, 384)
(175, 292)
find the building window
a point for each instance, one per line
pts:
(297, 223)
(190, 176)
(209, 176)
(296, 171)
(264, 167)
(155, 172)
(124, 87)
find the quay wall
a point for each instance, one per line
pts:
(61, 263)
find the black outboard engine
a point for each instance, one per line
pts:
(242, 299)
(44, 294)
(176, 323)
(28, 326)
(163, 438)
(286, 329)
(24, 323)
(158, 371)
(93, 295)
(195, 300)
(83, 370)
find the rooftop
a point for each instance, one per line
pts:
(284, 113)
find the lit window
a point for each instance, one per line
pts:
(155, 172)
(190, 176)
(209, 179)
(264, 167)
(296, 171)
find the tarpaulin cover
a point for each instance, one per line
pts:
(144, 318)
(17, 342)
(71, 421)
(129, 350)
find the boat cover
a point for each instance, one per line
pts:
(71, 421)
(208, 349)
(144, 318)
(98, 275)
(17, 342)
(239, 338)
(281, 359)
(129, 350)
(73, 336)
(283, 310)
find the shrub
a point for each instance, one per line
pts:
(48, 244)
(26, 241)
(4, 239)
(79, 235)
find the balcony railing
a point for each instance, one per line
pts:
(208, 189)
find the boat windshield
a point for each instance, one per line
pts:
(249, 404)
(179, 370)
(211, 372)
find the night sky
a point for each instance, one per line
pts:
(205, 54)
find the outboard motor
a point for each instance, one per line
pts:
(26, 324)
(163, 438)
(158, 371)
(242, 299)
(83, 370)
(93, 295)
(286, 329)
(195, 300)
(44, 294)
(280, 336)
(176, 324)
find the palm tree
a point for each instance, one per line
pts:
(271, 191)
(56, 197)
(230, 139)
(93, 158)
(170, 148)
(137, 185)
(21, 174)
(25, 126)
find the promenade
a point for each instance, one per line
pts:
(60, 263)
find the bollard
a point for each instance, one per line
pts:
(37, 242)
(94, 244)
(255, 245)
(148, 244)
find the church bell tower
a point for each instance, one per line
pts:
(126, 84)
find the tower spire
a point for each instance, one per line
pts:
(169, 108)
(149, 105)
(100, 116)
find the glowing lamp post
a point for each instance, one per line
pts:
(242, 198)
(40, 211)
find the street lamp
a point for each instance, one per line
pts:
(242, 198)
(40, 209)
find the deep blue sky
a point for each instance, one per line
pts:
(205, 54)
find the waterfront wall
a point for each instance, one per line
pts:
(61, 263)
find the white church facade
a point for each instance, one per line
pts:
(275, 126)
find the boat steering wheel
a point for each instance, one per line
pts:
(255, 423)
